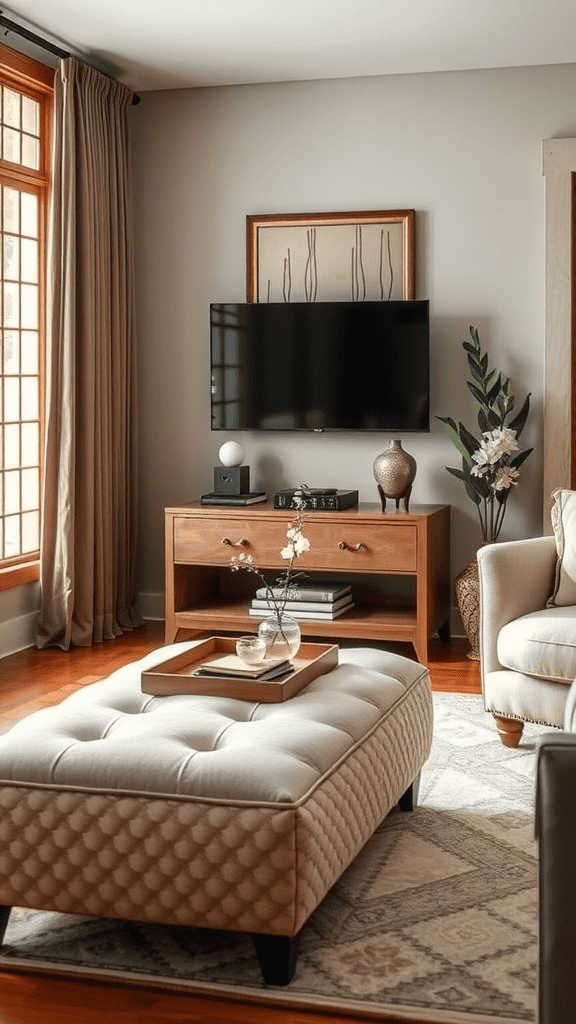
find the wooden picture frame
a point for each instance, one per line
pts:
(327, 257)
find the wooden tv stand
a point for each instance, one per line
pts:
(363, 546)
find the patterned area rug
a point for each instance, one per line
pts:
(434, 921)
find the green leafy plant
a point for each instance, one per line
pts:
(490, 465)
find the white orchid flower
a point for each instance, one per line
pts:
(506, 477)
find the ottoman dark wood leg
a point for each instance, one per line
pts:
(277, 956)
(409, 799)
(4, 915)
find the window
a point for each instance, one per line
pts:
(25, 96)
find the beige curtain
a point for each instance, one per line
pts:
(88, 554)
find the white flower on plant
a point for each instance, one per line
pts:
(241, 561)
(506, 477)
(297, 542)
(481, 459)
(502, 440)
(495, 445)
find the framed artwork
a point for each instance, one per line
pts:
(330, 257)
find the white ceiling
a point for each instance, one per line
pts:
(173, 44)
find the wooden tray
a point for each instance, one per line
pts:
(175, 675)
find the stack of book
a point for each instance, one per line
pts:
(319, 599)
(232, 667)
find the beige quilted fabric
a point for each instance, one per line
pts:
(253, 841)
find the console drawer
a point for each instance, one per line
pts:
(358, 547)
(214, 542)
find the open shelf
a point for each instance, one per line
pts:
(363, 621)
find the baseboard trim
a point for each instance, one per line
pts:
(151, 606)
(17, 634)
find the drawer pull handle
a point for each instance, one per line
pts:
(234, 543)
(345, 546)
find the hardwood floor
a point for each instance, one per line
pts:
(31, 679)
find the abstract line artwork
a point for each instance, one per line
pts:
(358, 257)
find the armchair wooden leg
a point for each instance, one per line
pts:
(509, 730)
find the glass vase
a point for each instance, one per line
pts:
(282, 636)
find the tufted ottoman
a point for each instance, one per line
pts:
(208, 811)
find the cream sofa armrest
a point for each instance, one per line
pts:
(516, 577)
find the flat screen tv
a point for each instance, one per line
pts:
(320, 366)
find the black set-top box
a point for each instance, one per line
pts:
(329, 500)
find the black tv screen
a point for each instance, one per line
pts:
(345, 366)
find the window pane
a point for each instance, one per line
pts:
(11, 305)
(12, 491)
(29, 260)
(11, 210)
(11, 399)
(30, 115)
(30, 444)
(12, 537)
(29, 352)
(30, 532)
(11, 112)
(30, 152)
(29, 214)
(29, 489)
(22, 120)
(12, 257)
(12, 445)
(29, 398)
(11, 352)
(11, 145)
(29, 298)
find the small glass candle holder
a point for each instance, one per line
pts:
(251, 649)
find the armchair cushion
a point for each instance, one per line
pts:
(564, 526)
(542, 643)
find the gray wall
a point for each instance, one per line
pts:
(462, 148)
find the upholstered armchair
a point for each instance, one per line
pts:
(528, 625)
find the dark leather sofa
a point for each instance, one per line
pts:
(556, 833)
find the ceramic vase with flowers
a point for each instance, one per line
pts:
(490, 467)
(281, 632)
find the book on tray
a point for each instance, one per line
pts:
(231, 666)
(326, 591)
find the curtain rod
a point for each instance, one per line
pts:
(19, 30)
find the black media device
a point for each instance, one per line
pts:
(320, 366)
(231, 479)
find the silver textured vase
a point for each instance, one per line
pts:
(394, 472)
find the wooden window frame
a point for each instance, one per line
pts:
(36, 80)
